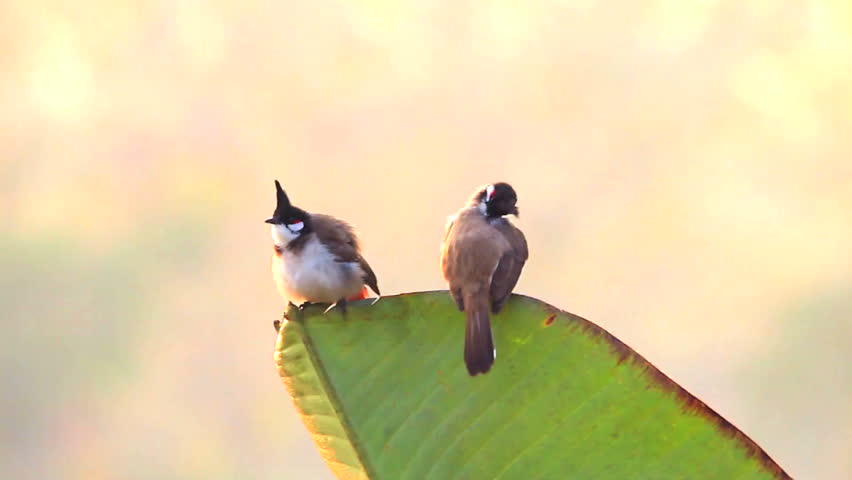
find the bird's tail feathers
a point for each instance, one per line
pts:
(478, 344)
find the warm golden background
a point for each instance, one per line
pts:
(684, 171)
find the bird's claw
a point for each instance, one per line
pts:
(340, 304)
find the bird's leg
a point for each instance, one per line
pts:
(340, 304)
(284, 318)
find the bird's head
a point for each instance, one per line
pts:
(497, 199)
(288, 222)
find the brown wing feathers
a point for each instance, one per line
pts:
(339, 237)
(509, 268)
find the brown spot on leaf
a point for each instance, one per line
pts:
(550, 318)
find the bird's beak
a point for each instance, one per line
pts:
(270, 220)
(515, 212)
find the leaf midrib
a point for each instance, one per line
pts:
(322, 376)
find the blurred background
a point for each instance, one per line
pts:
(684, 172)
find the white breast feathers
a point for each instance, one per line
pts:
(312, 274)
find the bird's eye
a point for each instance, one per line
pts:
(296, 226)
(489, 192)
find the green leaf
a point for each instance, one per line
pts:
(386, 396)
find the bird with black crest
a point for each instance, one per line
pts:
(317, 258)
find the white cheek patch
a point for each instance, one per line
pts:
(489, 192)
(282, 235)
(483, 207)
(296, 227)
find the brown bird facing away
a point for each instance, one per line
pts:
(316, 258)
(481, 258)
